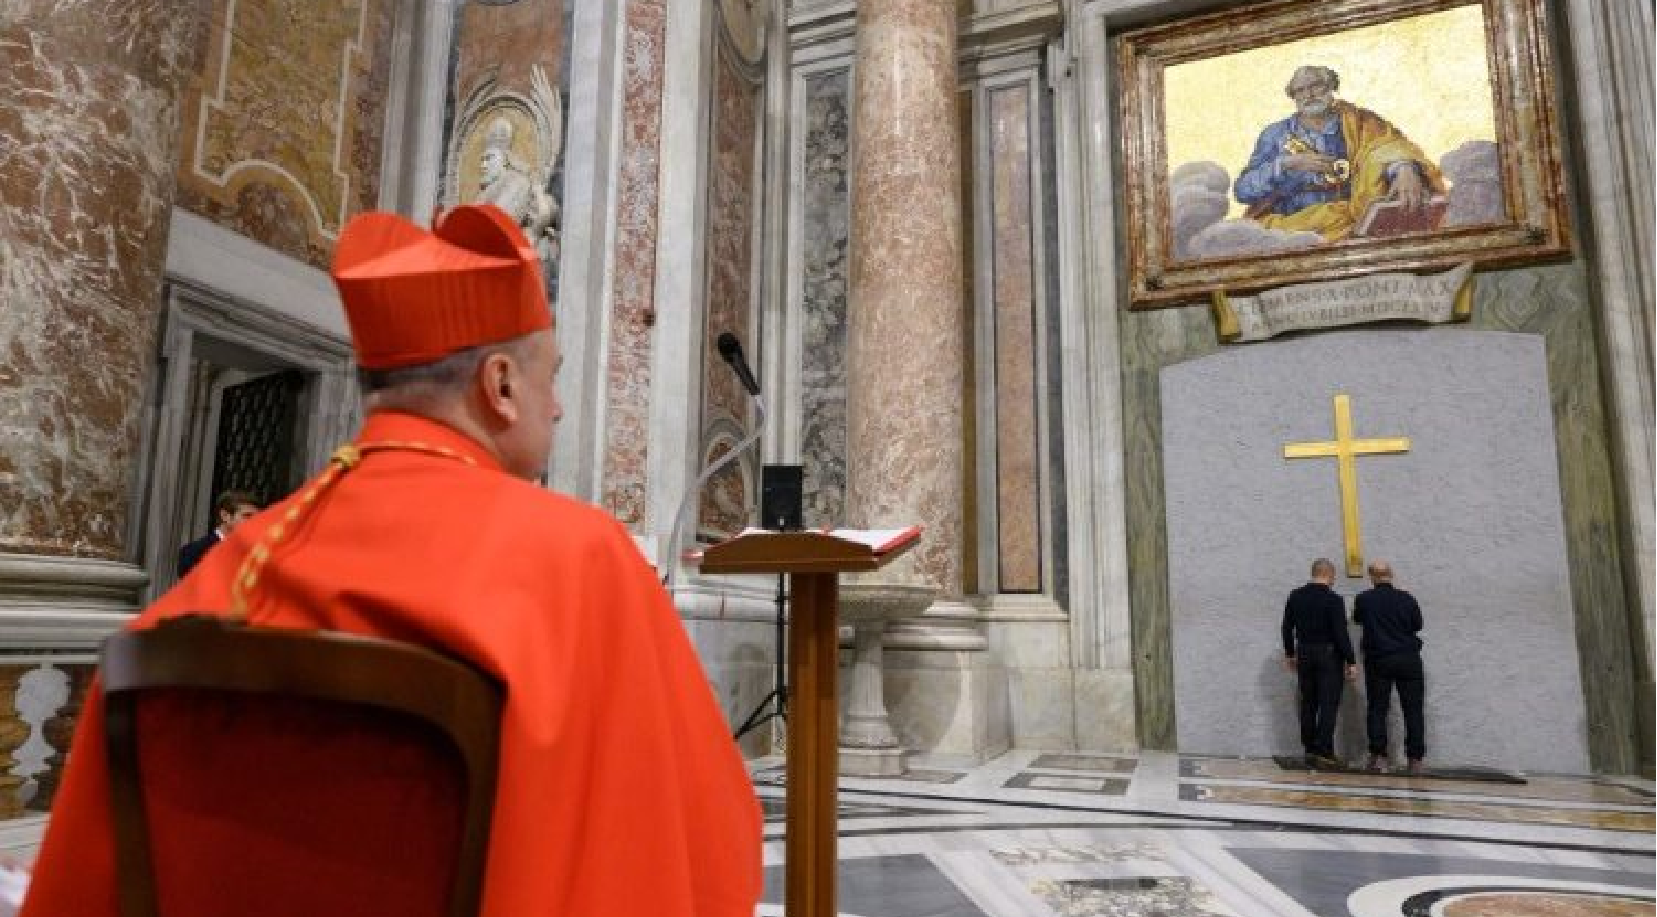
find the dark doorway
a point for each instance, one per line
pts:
(255, 447)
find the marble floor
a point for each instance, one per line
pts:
(1036, 834)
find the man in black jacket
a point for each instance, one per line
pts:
(1391, 619)
(229, 510)
(1317, 647)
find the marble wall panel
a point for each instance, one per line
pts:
(729, 242)
(88, 153)
(739, 659)
(1151, 340)
(627, 417)
(284, 123)
(826, 234)
(1018, 467)
(501, 43)
(1057, 531)
(966, 134)
(1554, 301)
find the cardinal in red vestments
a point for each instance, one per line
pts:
(620, 790)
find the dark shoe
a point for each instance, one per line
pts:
(1377, 764)
(1416, 769)
(1325, 763)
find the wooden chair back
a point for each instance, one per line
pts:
(387, 714)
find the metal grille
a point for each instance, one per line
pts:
(255, 447)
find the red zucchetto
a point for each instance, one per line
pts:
(413, 297)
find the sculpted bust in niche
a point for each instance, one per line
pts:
(502, 181)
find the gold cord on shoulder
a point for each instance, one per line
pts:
(344, 459)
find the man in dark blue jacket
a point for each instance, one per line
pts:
(1391, 619)
(1315, 647)
(232, 508)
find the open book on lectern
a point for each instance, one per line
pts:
(833, 546)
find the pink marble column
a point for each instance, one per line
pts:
(904, 342)
(88, 150)
(905, 339)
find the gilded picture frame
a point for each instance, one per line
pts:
(1470, 171)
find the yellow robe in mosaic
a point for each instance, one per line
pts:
(1371, 143)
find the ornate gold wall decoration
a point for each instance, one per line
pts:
(1305, 140)
(283, 126)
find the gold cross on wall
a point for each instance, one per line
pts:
(1345, 450)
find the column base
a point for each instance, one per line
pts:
(950, 708)
(64, 602)
(872, 762)
(1106, 718)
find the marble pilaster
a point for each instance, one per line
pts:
(823, 268)
(1096, 433)
(727, 411)
(586, 272)
(633, 310)
(1017, 405)
(1612, 56)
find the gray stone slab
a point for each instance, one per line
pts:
(1470, 518)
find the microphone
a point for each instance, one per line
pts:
(731, 349)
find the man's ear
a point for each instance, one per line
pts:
(498, 379)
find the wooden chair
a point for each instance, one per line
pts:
(263, 771)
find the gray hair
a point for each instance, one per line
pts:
(443, 377)
(1329, 77)
(1323, 566)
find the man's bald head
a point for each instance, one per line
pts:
(1380, 571)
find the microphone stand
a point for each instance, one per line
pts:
(731, 350)
(780, 692)
(671, 577)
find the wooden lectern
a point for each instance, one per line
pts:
(813, 561)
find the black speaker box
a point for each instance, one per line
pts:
(780, 497)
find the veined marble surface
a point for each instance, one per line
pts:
(1025, 835)
(1029, 834)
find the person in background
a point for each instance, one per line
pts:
(1391, 619)
(1316, 647)
(232, 508)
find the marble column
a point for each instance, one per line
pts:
(89, 144)
(904, 340)
(904, 337)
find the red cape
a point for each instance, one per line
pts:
(620, 788)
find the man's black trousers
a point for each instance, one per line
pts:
(1320, 670)
(1380, 675)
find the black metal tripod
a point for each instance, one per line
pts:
(779, 694)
